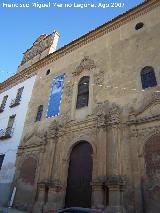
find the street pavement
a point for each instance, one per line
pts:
(10, 210)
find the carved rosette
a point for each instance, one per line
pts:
(85, 64)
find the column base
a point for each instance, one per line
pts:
(55, 198)
(50, 208)
(115, 209)
(98, 195)
(38, 207)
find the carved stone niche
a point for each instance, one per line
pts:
(114, 115)
(53, 130)
(85, 64)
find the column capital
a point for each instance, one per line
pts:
(115, 182)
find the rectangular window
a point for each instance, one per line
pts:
(39, 113)
(9, 129)
(17, 100)
(19, 94)
(8, 132)
(3, 104)
(1, 160)
(11, 121)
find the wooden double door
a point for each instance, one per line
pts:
(78, 192)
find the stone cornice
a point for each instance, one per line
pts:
(16, 79)
(137, 11)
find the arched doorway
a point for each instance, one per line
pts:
(78, 192)
(151, 182)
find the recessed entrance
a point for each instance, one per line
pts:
(79, 189)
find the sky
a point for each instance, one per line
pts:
(21, 26)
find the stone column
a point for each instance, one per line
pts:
(38, 206)
(113, 181)
(52, 141)
(55, 197)
(97, 195)
(116, 186)
(47, 164)
(99, 163)
(135, 165)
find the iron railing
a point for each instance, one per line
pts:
(15, 102)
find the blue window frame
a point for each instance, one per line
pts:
(148, 77)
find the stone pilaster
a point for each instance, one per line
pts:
(56, 197)
(98, 195)
(38, 206)
(116, 186)
(114, 180)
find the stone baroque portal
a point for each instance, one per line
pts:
(103, 154)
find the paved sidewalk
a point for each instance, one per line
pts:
(10, 210)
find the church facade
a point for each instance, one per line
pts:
(92, 133)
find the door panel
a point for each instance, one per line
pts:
(78, 191)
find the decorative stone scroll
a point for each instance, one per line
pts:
(41, 44)
(101, 110)
(113, 117)
(53, 130)
(148, 101)
(99, 77)
(64, 118)
(34, 138)
(107, 115)
(86, 64)
(68, 90)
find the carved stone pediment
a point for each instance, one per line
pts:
(150, 109)
(85, 64)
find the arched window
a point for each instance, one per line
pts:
(39, 113)
(148, 77)
(83, 92)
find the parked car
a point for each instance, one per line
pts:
(79, 210)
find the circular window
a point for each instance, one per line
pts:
(139, 26)
(48, 71)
